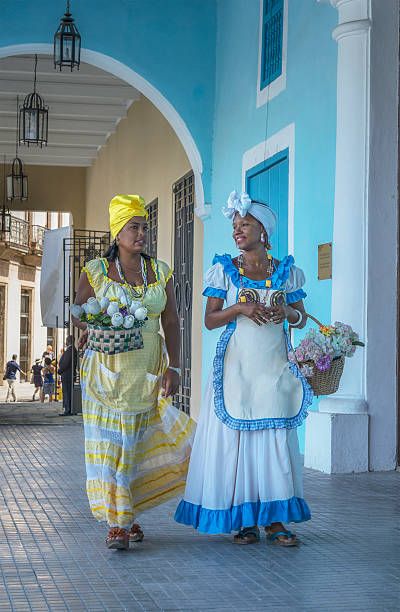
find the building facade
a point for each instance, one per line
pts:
(296, 102)
(21, 329)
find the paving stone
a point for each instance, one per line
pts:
(53, 557)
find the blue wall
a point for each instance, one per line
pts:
(309, 101)
(171, 43)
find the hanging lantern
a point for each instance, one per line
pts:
(33, 118)
(5, 222)
(17, 182)
(67, 43)
(5, 217)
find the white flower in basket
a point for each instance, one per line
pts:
(76, 310)
(141, 314)
(117, 319)
(134, 307)
(112, 308)
(129, 321)
(93, 306)
(104, 303)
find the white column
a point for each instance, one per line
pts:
(349, 273)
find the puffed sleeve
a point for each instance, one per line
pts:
(294, 284)
(215, 282)
(164, 272)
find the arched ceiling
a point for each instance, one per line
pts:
(85, 107)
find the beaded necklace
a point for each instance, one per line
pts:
(136, 294)
(250, 295)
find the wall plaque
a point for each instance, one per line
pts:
(325, 261)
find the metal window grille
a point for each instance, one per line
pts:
(83, 246)
(152, 234)
(272, 38)
(183, 197)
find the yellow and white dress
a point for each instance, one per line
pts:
(137, 445)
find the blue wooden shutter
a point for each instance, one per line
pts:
(272, 35)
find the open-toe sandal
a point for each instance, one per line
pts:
(136, 534)
(248, 535)
(282, 538)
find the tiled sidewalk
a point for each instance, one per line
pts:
(53, 557)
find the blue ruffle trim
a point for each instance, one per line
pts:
(254, 424)
(293, 510)
(295, 296)
(216, 293)
(279, 277)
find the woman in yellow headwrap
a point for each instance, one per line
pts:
(137, 445)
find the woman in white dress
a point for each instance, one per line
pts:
(245, 469)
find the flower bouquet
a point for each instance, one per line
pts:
(321, 355)
(113, 324)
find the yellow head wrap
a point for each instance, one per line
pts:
(124, 207)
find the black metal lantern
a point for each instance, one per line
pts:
(33, 118)
(67, 43)
(5, 217)
(17, 182)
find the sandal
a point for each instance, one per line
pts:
(282, 538)
(248, 535)
(117, 538)
(136, 534)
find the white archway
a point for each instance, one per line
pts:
(123, 72)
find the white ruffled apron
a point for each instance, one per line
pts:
(255, 385)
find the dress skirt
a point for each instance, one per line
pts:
(241, 478)
(135, 459)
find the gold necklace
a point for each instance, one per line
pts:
(251, 295)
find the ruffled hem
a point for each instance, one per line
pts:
(278, 278)
(293, 510)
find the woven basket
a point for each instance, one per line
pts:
(112, 341)
(325, 383)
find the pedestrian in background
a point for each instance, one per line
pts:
(67, 370)
(48, 380)
(37, 378)
(10, 375)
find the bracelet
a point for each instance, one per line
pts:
(299, 320)
(177, 370)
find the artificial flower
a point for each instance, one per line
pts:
(93, 306)
(117, 319)
(104, 303)
(134, 307)
(112, 308)
(141, 314)
(129, 321)
(76, 310)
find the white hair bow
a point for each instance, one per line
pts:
(237, 203)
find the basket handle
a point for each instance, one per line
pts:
(309, 316)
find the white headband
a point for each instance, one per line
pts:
(242, 204)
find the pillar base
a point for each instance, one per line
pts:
(337, 443)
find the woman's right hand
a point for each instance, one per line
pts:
(83, 340)
(256, 312)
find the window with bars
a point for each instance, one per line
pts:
(152, 209)
(272, 40)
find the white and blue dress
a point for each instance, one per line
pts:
(245, 467)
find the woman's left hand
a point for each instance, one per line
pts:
(170, 383)
(277, 314)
